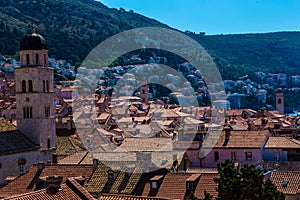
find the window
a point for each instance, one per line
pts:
(45, 59)
(49, 143)
(44, 86)
(248, 155)
(27, 112)
(143, 91)
(27, 59)
(47, 86)
(47, 111)
(233, 155)
(276, 155)
(190, 186)
(111, 176)
(30, 89)
(21, 169)
(37, 59)
(23, 86)
(153, 185)
(216, 156)
(279, 101)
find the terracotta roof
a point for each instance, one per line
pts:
(238, 139)
(26, 182)
(234, 112)
(291, 178)
(81, 157)
(146, 144)
(12, 140)
(207, 183)
(282, 143)
(70, 190)
(126, 197)
(127, 175)
(173, 186)
(67, 145)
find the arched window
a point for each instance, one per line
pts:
(30, 89)
(27, 59)
(49, 143)
(45, 59)
(37, 59)
(47, 86)
(23, 86)
(44, 86)
(279, 101)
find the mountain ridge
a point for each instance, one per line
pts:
(73, 28)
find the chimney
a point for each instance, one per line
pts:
(95, 164)
(54, 158)
(227, 130)
(185, 164)
(41, 166)
(53, 184)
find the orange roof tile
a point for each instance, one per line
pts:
(26, 182)
(70, 190)
(292, 179)
(207, 183)
(126, 197)
(173, 186)
(238, 139)
(282, 143)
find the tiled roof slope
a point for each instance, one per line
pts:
(238, 139)
(207, 183)
(173, 186)
(70, 190)
(123, 183)
(12, 140)
(282, 142)
(67, 145)
(126, 197)
(26, 182)
(292, 179)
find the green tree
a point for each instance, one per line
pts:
(248, 183)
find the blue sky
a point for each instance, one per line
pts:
(219, 16)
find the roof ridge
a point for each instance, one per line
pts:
(85, 155)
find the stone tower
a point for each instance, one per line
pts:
(34, 93)
(279, 101)
(144, 92)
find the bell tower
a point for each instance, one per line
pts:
(35, 93)
(279, 101)
(144, 91)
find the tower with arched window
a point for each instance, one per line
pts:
(279, 101)
(35, 93)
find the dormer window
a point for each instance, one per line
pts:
(111, 175)
(190, 186)
(156, 181)
(153, 185)
(191, 182)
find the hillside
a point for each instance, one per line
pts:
(73, 27)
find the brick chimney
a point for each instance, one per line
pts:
(53, 184)
(54, 158)
(227, 130)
